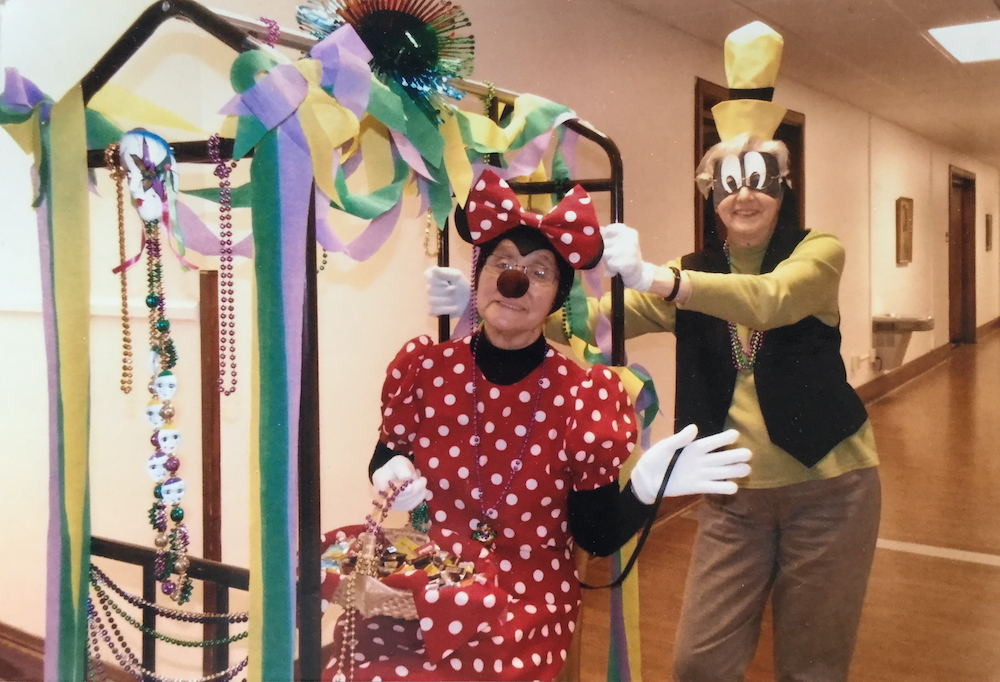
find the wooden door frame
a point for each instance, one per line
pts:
(791, 131)
(962, 250)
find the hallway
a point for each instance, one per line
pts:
(932, 612)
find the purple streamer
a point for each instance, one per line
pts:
(345, 68)
(525, 163)
(568, 149)
(200, 239)
(352, 164)
(619, 640)
(235, 107)
(54, 549)
(295, 178)
(411, 155)
(594, 279)
(277, 96)
(19, 93)
(366, 244)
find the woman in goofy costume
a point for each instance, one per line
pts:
(758, 350)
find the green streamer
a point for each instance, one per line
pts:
(371, 205)
(241, 196)
(101, 131)
(277, 633)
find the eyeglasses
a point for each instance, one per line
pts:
(537, 274)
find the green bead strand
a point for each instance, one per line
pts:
(193, 644)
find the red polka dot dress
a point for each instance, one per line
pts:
(561, 428)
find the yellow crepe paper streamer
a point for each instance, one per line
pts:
(539, 203)
(114, 101)
(456, 159)
(376, 150)
(69, 212)
(26, 135)
(326, 124)
(488, 134)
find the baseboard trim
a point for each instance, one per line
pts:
(22, 655)
(890, 381)
(988, 328)
(22, 658)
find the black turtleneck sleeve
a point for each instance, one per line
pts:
(604, 519)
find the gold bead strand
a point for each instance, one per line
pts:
(118, 176)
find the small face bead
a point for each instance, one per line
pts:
(165, 385)
(156, 466)
(153, 415)
(173, 491)
(169, 439)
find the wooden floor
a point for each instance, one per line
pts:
(932, 612)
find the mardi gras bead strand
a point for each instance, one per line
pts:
(128, 660)
(366, 565)
(118, 176)
(99, 578)
(162, 466)
(742, 359)
(106, 601)
(227, 302)
(160, 340)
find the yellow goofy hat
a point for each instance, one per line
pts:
(753, 55)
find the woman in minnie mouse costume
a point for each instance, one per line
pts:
(517, 451)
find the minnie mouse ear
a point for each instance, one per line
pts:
(593, 262)
(462, 224)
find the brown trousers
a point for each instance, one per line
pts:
(809, 545)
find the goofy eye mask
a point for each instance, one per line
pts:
(757, 171)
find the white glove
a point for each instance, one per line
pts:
(623, 257)
(447, 291)
(699, 468)
(401, 469)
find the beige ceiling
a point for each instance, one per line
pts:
(875, 54)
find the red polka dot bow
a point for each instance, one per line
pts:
(571, 227)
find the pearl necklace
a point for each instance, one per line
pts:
(484, 533)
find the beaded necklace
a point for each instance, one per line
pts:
(169, 489)
(126, 657)
(366, 565)
(742, 360)
(484, 533)
(227, 307)
(99, 579)
(118, 176)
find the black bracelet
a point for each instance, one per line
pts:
(677, 285)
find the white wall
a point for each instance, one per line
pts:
(905, 165)
(633, 79)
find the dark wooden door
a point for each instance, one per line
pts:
(962, 257)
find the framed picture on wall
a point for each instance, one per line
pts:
(989, 232)
(904, 230)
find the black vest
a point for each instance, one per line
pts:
(807, 404)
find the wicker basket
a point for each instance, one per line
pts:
(370, 596)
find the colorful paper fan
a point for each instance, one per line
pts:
(413, 42)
